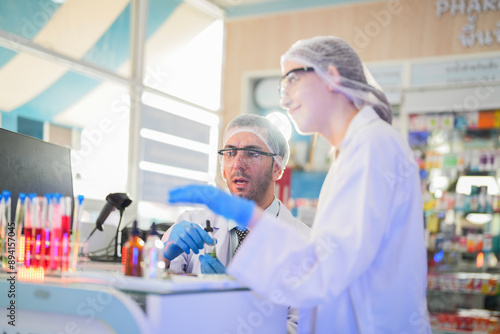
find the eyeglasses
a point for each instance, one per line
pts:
(248, 156)
(290, 78)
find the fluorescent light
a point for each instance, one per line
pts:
(479, 218)
(180, 109)
(465, 183)
(175, 141)
(175, 171)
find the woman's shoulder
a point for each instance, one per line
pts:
(379, 134)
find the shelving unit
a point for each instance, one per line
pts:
(463, 272)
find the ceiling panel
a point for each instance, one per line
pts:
(93, 31)
(97, 32)
(244, 8)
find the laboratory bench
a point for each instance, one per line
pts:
(98, 300)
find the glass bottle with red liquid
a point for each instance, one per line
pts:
(133, 253)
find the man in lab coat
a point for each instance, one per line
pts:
(253, 158)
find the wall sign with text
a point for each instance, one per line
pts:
(470, 36)
(466, 71)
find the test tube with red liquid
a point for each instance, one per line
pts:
(47, 225)
(44, 241)
(38, 235)
(20, 245)
(6, 221)
(55, 237)
(65, 249)
(28, 232)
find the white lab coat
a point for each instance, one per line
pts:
(190, 263)
(363, 270)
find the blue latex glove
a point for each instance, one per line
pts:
(209, 265)
(232, 207)
(185, 236)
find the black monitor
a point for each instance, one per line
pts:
(30, 165)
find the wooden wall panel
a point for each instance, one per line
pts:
(412, 31)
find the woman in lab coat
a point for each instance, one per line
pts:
(363, 270)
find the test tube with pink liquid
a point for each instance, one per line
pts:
(65, 250)
(28, 231)
(55, 231)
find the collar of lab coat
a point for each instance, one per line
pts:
(364, 117)
(272, 209)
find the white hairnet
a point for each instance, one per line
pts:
(264, 129)
(323, 51)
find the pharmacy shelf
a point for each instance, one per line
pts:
(462, 292)
(455, 331)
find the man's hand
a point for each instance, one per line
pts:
(209, 265)
(185, 236)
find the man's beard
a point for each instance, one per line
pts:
(259, 186)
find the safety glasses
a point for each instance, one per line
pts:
(247, 156)
(288, 80)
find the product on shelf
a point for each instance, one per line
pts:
(472, 320)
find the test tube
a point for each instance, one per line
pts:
(55, 238)
(37, 245)
(5, 227)
(2, 227)
(47, 225)
(28, 232)
(20, 245)
(64, 251)
(44, 241)
(75, 235)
